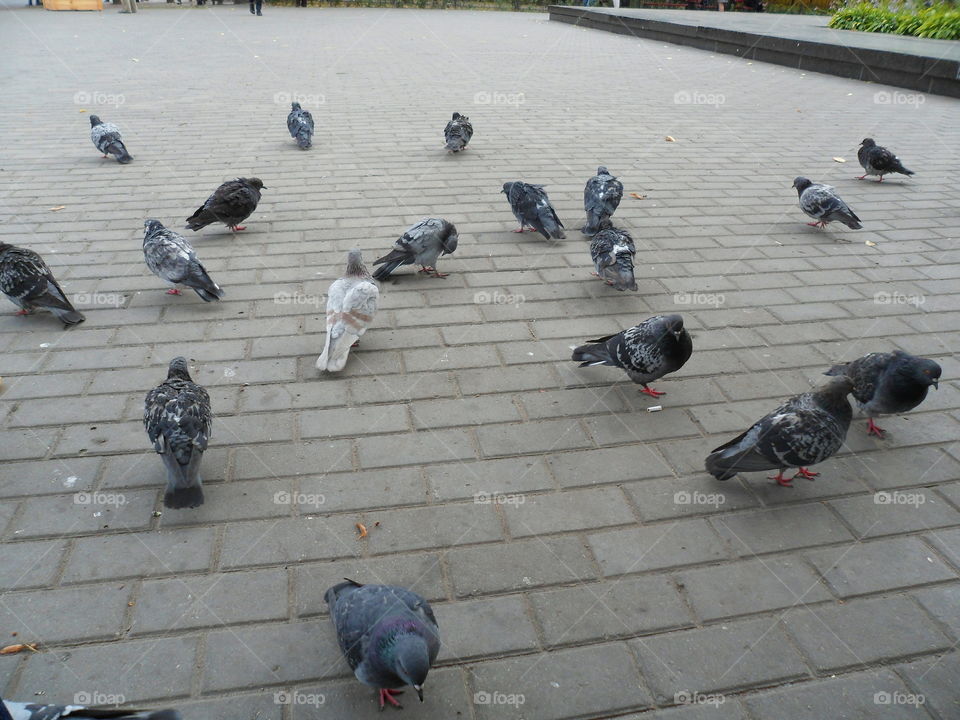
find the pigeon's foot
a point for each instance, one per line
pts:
(387, 695)
(872, 428)
(821, 224)
(652, 393)
(174, 291)
(881, 179)
(806, 474)
(105, 157)
(237, 228)
(518, 230)
(22, 312)
(356, 344)
(859, 177)
(432, 272)
(781, 479)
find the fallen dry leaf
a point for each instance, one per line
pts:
(838, 159)
(638, 196)
(19, 647)
(670, 138)
(57, 208)
(362, 529)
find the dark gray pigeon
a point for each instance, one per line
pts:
(178, 421)
(877, 160)
(421, 244)
(231, 204)
(805, 430)
(648, 351)
(612, 251)
(388, 635)
(170, 257)
(532, 207)
(32, 711)
(106, 137)
(28, 282)
(601, 197)
(300, 125)
(888, 383)
(458, 132)
(822, 203)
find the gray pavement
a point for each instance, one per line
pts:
(614, 578)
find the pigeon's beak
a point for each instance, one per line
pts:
(677, 334)
(419, 689)
(936, 383)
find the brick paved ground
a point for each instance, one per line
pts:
(603, 593)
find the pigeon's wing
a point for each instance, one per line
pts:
(178, 419)
(168, 256)
(104, 135)
(424, 241)
(351, 306)
(866, 373)
(881, 159)
(601, 250)
(822, 202)
(602, 195)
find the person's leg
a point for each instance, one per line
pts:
(252, 9)
(259, 7)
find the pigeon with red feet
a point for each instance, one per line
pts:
(648, 351)
(388, 635)
(822, 203)
(601, 197)
(231, 204)
(877, 160)
(170, 257)
(889, 383)
(28, 282)
(457, 133)
(806, 430)
(421, 244)
(612, 251)
(107, 139)
(531, 207)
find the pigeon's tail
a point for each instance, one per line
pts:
(336, 351)
(56, 302)
(330, 596)
(203, 285)
(68, 317)
(119, 151)
(200, 219)
(593, 224)
(850, 219)
(594, 353)
(184, 486)
(734, 457)
(898, 167)
(304, 138)
(551, 227)
(390, 262)
(837, 370)
(622, 274)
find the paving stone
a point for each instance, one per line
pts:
(538, 679)
(42, 477)
(756, 533)
(576, 469)
(667, 498)
(484, 628)
(718, 658)
(56, 515)
(433, 527)
(558, 512)
(894, 512)
(936, 680)
(30, 564)
(95, 613)
(879, 565)
(664, 545)
(943, 603)
(361, 490)
(273, 542)
(488, 478)
(835, 636)
(428, 446)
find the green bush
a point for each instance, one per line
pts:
(941, 21)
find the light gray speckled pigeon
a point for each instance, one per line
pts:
(877, 160)
(300, 125)
(387, 634)
(421, 244)
(805, 430)
(601, 197)
(457, 133)
(648, 351)
(28, 282)
(33, 711)
(888, 383)
(178, 421)
(106, 137)
(231, 204)
(612, 251)
(170, 257)
(531, 206)
(351, 305)
(822, 203)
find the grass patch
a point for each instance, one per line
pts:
(940, 21)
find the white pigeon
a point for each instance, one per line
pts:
(351, 304)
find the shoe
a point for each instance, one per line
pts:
(252, 11)
(259, 13)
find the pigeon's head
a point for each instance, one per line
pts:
(868, 142)
(457, 116)
(449, 238)
(602, 170)
(254, 183)
(605, 224)
(94, 120)
(179, 369)
(411, 660)
(507, 187)
(355, 266)
(151, 226)
(920, 370)
(674, 325)
(295, 106)
(801, 183)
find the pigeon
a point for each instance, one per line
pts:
(170, 257)
(805, 430)
(601, 196)
(387, 634)
(351, 304)
(178, 421)
(231, 204)
(612, 251)
(300, 125)
(107, 138)
(648, 351)
(887, 383)
(421, 244)
(532, 207)
(458, 133)
(28, 282)
(877, 160)
(32, 711)
(822, 203)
